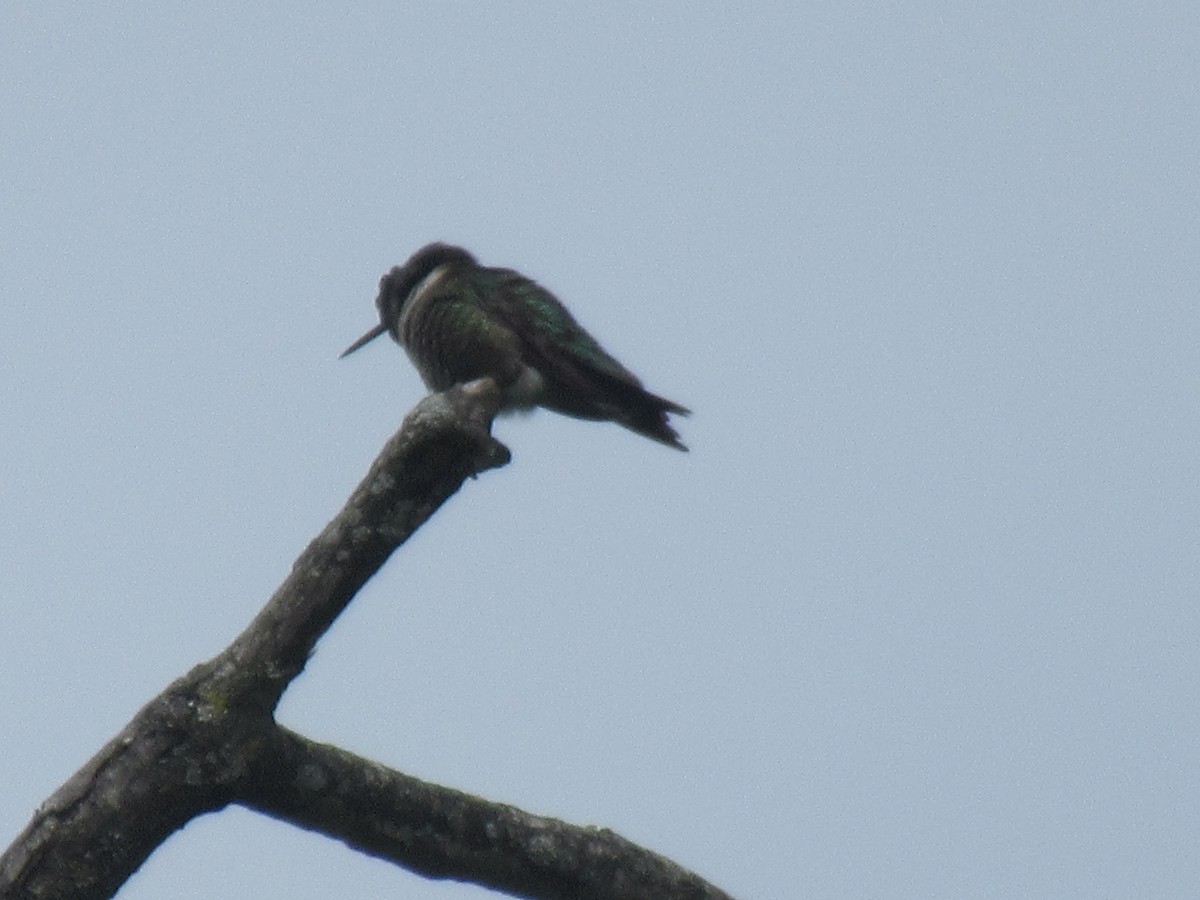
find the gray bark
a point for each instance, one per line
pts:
(210, 739)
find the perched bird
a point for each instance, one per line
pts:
(460, 321)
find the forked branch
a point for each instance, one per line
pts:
(210, 739)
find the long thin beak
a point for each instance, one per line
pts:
(365, 339)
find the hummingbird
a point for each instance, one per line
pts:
(460, 321)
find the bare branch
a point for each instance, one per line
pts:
(443, 833)
(444, 440)
(210, 738)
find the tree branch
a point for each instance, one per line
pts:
(442, 833)
(210, 738)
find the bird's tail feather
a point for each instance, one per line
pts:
(646, 414)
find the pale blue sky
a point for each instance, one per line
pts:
(916, 617)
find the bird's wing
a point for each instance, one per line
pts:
(580, 378)
(555, 343)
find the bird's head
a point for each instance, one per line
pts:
(398, 285)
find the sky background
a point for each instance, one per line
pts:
(916, 617)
